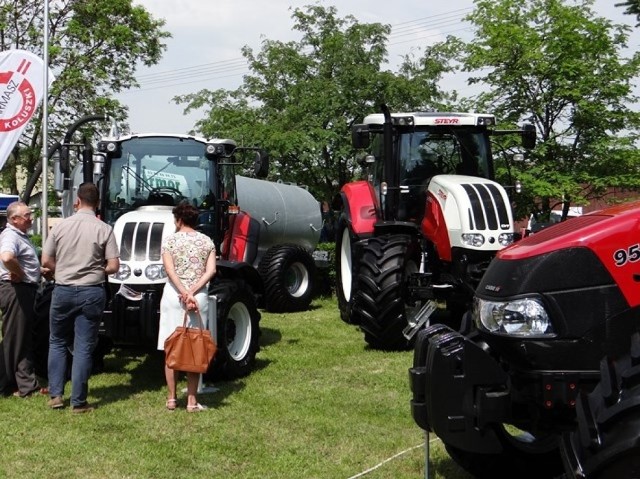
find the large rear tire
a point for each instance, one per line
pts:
(524, 456)
(607, 441)
(345, 275)
(289, 274)
(237, 330)
(381, 299)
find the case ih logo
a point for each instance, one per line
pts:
(446, 121)
(17, 98)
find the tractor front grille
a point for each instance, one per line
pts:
(141, 241)
(488, 209)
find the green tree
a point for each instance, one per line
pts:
(301, 97)
(95, 47)
(561, 67)
(632, 8)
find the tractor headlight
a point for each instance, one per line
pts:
(155, 272)
(473, 239)
(123, 272)
(505, 239)
(520, 317)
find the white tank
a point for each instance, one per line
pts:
(286, 213)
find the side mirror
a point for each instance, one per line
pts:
(360, 137)
(261, 164)
(528, 136)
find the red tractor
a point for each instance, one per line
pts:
(545, 370)
(419, 232)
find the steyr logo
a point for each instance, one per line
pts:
(446, 121)
(17, 98)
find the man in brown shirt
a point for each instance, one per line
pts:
(82, 251)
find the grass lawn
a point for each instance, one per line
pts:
(319, 404)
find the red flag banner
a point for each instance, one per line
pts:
(21, 89)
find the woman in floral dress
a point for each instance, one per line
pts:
(189, 258)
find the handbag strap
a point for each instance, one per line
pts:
(186, 314)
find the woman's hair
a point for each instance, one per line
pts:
(187, 213)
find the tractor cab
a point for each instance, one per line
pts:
(424, 152)
(150, 171)
(425, 145)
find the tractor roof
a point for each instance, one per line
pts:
(225, 141)
(431, 118)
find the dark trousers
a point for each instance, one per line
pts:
(74, 322)
(16, 355)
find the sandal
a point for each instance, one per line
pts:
(172, 404)
(196, 408)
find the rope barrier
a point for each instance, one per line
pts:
(371, 469)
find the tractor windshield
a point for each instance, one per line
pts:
(424, 154)
(158, 171)
(459, 151)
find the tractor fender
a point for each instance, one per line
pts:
(240, 242)
(359, 207)
(238, 270)
(459, 390)
(434, 227)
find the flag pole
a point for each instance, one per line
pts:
(45, 124)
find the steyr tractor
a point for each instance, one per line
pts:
(264, 233)
(419, 232)
(545, 370)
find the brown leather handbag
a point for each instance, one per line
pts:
(189, 349)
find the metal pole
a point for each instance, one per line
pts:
(45, 124)
(426, 454)
(212, 326)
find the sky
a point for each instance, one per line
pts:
(207, 37)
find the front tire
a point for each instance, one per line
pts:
(345, 259)
(607, 441)
(381, 302)
(237, 330)
(288, 273)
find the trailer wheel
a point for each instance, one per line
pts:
(381, 297)
(289, 274)
(606, 443)
(345, 259)
(524, 456)
(237, 330)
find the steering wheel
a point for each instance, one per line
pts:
(166, 189)
(165, 195)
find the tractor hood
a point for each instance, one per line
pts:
(467, 212)
(603, 231)
(597, 249)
